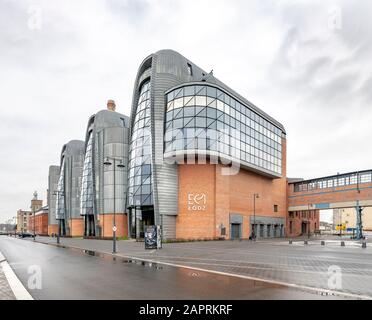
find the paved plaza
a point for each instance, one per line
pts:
(297, 264)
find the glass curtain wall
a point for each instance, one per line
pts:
(87, 191)
(140, 181)
(60, 202)
(202, 117)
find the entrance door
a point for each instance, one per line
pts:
(261, 230)
(235, 231)
(269, 230)
(303, 228)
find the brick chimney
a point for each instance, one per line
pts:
(111, 105)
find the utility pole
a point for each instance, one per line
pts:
(255, 196)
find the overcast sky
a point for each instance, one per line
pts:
(306, 63)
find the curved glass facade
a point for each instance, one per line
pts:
(60, 202)
(203, 117)
(87, 191)
(140, 180)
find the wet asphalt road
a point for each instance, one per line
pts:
(73, 274)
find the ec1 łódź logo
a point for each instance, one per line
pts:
(196, 201)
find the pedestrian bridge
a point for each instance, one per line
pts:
(347, 190)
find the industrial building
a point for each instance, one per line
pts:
(104, 176)
(68, 189)
(204, 162)
(53, 178)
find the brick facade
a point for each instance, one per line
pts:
(207, 198)
(41, 223)
(52, 229)
(106, 224)
(301, 223)
(76, 226)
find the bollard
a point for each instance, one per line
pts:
(305, 242)
(322, 243)
(342, 243)
(364, 244)
(290, 241)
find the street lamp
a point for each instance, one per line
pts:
(308, 219)
(135, 218)
(255, 196)
(57, 193)
(120, 164)
(340, 216)
(33, 209)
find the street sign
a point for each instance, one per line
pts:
(114, 228)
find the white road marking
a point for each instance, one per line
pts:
(15, 284)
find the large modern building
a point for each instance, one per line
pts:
(204, 162)
(68, 189)
(105, 173)
(53, 178)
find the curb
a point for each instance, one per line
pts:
(19, 291)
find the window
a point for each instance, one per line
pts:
(203, 106)
(275, 208)
(189, 69)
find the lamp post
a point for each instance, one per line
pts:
(340, 211)
(308, 219)
(57, 193)
(16, 223)
(135, 218)
(33, 209)
(107, 162)
(255, 196)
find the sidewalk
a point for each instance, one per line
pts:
(11, 288)
(6, 292)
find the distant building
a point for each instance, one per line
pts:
(347, 217)
(41, 221)
(23, 220)
(325, 226)
(302, 223)
(68, 189)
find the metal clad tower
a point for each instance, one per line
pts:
(106, 137)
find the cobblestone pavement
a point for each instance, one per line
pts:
(6, 292)
(276, 260)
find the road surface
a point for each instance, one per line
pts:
(73, 274)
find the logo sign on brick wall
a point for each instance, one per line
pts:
(196, 201)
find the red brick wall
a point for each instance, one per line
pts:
(106, 224)
(226, 194)
(52, 228)
(41, 224)
(298, 217)
(76, 226)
